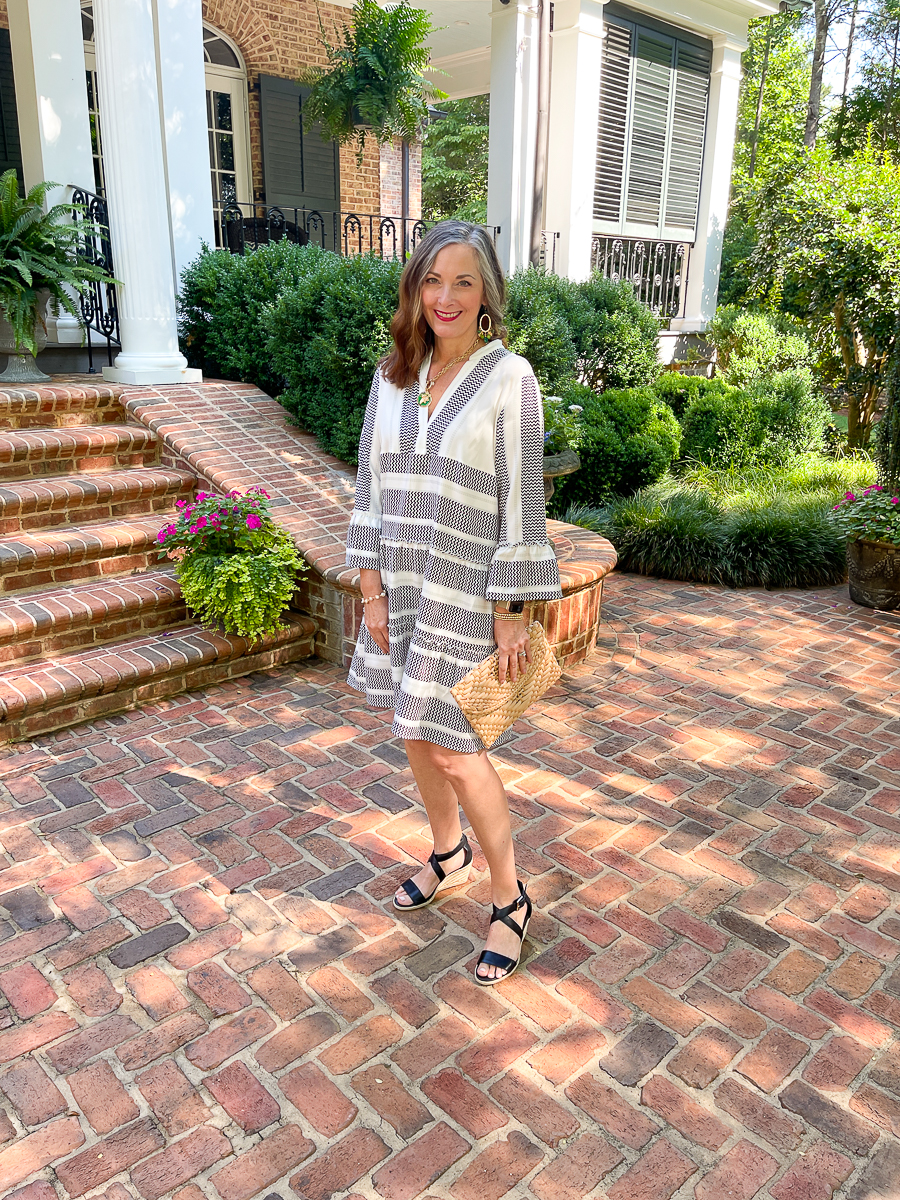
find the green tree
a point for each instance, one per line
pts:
(771, 119)
(455, 162)
(872, 109)
(828, 229)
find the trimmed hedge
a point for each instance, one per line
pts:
(629, 439)
(326, 336)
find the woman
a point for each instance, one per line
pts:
(449, 533)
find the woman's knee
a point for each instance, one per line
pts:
(451, 764)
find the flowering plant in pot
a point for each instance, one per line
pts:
(374, 81)
(871, 520)
(40, 260)
(236, 567)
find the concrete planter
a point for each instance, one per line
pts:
(874, 571)
(21, 367)
(557, 465)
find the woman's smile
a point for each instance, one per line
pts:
(446, 316)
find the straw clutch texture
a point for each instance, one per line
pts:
(490, 706)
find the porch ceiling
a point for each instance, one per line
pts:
(461, 46)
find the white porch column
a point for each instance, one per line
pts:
(51, 98)
(574, 114)
(136, 191)
(514, 83)
(705, 261)
(183, 86)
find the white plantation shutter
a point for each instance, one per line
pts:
(692, 66)
(613, 129)
(652, 121)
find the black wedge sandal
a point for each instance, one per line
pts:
(444, 880)
(489, 958)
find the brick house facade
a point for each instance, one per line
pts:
(280, 38)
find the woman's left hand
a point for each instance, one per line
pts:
(513, 647)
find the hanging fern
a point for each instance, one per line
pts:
(374, 82)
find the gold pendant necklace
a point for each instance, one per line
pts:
(425, 397)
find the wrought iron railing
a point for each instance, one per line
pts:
(98, 302)
(657, 269)
(241, 227)
(549, 242)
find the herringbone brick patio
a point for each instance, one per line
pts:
(205, 992)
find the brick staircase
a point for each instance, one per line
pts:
(90, 622)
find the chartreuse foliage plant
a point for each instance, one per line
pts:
(39, 252)
(236, 567)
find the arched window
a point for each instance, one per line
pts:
(226, 113)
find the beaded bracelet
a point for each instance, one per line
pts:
(368, 599)
(508, 616)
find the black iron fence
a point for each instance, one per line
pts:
(656, 269)
(549, 242)
(241, 227)
(98, 302)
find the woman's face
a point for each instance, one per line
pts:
(452, 294)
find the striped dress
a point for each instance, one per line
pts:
(451, 510)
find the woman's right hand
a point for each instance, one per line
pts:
(375, 615)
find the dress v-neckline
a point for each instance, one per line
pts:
(474, 358)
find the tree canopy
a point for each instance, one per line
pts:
(828, 226)
(455, 162)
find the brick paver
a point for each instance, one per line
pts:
(205, 993)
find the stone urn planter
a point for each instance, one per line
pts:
(874, 571)
(22, 367)
(557, 465)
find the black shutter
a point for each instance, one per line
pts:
(612, 132)
(10, 147)
(300, 169)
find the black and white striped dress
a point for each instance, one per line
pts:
(451, 511)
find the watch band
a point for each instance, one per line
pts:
(509, 606)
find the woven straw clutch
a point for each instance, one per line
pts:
(490, 706)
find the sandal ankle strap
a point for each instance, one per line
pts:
(434, 860)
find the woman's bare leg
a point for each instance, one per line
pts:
(443, 777)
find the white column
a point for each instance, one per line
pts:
(574, 113)
(134, 167)
(514, 52)
(705, 261)
(51, 98)
(183, 87)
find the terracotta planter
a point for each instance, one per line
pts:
(557, 465)
(22, 367)
(874, 570)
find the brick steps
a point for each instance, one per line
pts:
(55, 693)
(57, 556)
(27, 453)
(86, 615)
(61, 404)
(90, 622)
(60, 499)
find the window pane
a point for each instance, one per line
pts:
(218, 51)
(223, 110)
(226, 151)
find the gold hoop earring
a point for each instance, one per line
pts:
(485, 331)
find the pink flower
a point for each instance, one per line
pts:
(193, 529)
(162, 535)
(849, 496)
(201, 522)
(253, 522)
(896, 500)
(201, 496)
(181, 503)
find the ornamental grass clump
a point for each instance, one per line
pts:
(872, 515)
(236, 567)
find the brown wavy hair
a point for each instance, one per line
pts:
(413, 336)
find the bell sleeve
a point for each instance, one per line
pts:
(364, 534)
(524, 564)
